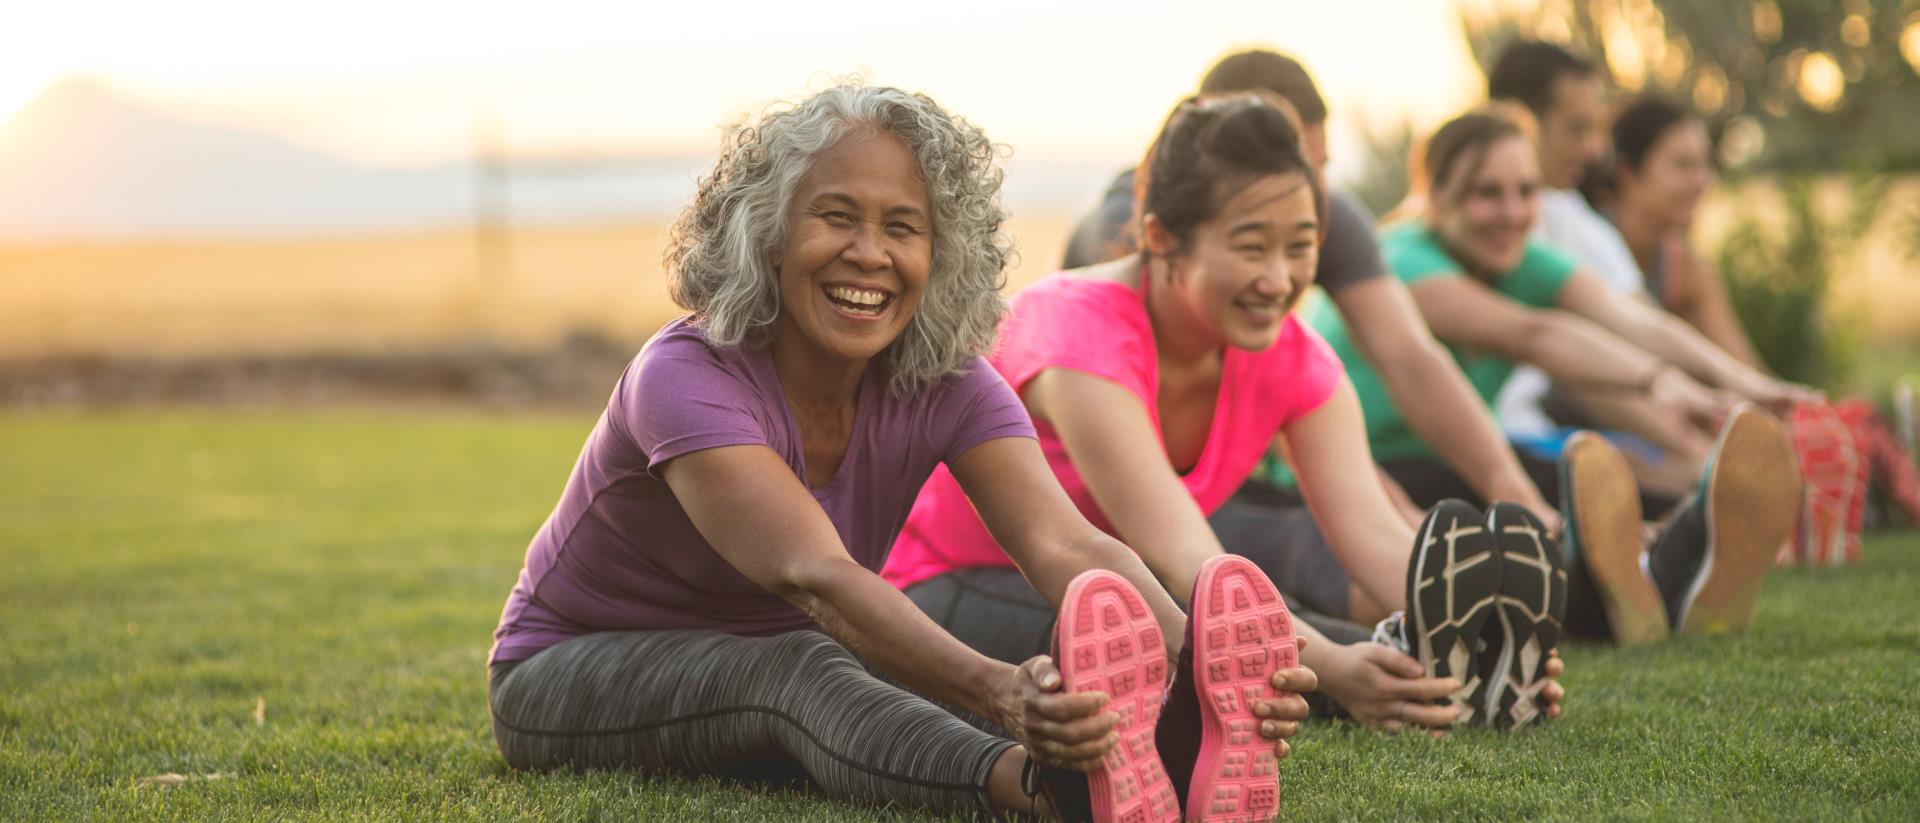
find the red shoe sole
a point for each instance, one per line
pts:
(1109, 642)
(1242, 634)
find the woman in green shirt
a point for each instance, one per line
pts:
(1496, 298)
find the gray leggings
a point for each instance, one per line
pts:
(788, 707)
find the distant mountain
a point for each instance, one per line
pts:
(84, 160)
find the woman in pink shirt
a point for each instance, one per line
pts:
(1157, 382)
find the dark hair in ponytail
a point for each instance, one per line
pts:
(1209, 149)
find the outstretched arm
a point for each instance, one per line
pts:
(1031, 518)
(1111, 441)
(1671, 338)
(757, 515)
(1465, 312)
(1427, 387)
(1343, 490)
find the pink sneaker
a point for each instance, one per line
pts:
(1241, 634)
(1106, 640)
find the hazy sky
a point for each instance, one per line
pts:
(403, 81)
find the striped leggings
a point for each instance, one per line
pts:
(781, 708)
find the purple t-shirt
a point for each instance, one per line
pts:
(619, 554)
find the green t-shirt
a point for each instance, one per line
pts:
(1413, 254)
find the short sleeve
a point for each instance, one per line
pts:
(1413, 255)
(1543, 272)
(1351, 254)
(1315, 372)
(681, 396)
(1092, 326)
(985, 409)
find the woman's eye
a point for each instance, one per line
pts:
(904, 228)
(837, 217)
(1251, 249)
(1300, 249)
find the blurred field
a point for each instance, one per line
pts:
(360, 294)
(300, 604)
(434, 288)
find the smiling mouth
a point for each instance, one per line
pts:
(1269, 308)
(856, 301)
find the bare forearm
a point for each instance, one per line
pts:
(1670, 337)
(1052, 571)
(879, 623)
(1578, 352)
(1445, 412)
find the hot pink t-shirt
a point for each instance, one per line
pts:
(1101, 328)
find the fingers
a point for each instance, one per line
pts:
(1288, 708)
(1043, 673)
(1430, 715)
(1083, 730)
(1555, 666)
(1281, 749)
(1296, 679)
(1391, 661)
(1279, 729)
(1299, 644)
(1066, 707)
(1422, 690)
(1077, 756)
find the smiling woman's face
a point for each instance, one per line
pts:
(1485, 219)
(1244, 269)
(858, 251)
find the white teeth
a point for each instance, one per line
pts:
(861, 297)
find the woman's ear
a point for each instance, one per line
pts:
(1155, 239)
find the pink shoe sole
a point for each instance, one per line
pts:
(1107, 641)
(1242, 634)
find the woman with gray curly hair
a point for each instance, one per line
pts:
(705, 598)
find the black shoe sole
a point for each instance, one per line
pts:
(1453, 591)
(1533, 606)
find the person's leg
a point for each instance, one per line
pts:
(1286, 544)
(994, 610)
(776, 707)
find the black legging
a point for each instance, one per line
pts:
(1427, 481)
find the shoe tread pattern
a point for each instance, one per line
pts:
(1108, 641)
(1453, 593)
(1242, 634)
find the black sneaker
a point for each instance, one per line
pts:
(1453, 599)
(1533, 601)
(1066, 791)
(1611, 596)
(1712, 553)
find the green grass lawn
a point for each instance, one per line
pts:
(162, 574)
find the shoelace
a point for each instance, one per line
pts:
(1030, 786)
(1391, 632)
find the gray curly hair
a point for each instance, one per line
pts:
(719, 256)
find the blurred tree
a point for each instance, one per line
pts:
(1830, 84)
(1383, 180)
